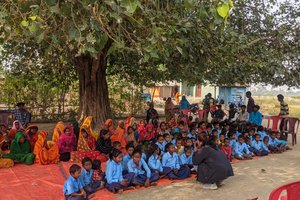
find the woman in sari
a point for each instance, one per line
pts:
(31, 133)
(130, 137)
(119, 135)
(4, 139)
(66, 143)
(110, 126)
(103, 144)
(129, 122)
(86, 144)
(169, 107)
(17, 127)
(148, 134)
(44, 154)
(20, 150)
(59, 128)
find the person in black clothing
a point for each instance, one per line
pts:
(103, 144)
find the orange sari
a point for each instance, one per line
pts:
(44, 154)
(58, 130)
(119, 135)
(86, 146)
(110, 124)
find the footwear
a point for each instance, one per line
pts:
(210, 186)
(220, 183)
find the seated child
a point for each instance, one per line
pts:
(275, 145)
(73, 188)
(226, 149)
(240, 151)
(187, 157)
(192, 135)
(179, 148)
(161, 143)
(221, 140)
(117, 145)
(258, 147)
(142, 173)
(98, 175)
(171, 164)
(214, 133)
(232, 140)
(189, 143)
(281, 139)
(167, 138)
(261, 132)
(116, 182)
(154, 161)
(127, 157)
(86, 177)
(209, 128)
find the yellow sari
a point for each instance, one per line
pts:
(58, 130)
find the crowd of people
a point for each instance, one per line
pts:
(138, 153)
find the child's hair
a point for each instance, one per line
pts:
(74, 168)
(96, 164)
(266, 137)
(153, 148)
(86, 159)
(230, 134)
(260, 128)
(129, 145)
(186, 148)
(240, 136)
(209, 125)
(256, 135)
(168, 146)
(181, 123)
(226, 139)
(247, 139)
(116, 143)
(114, 153)
(188, 139)
(192, 129)
(137, 151)
(160, 136)
(222, 135)
(166, 135)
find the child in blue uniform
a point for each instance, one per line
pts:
(86, 177)
(240, 150)
(258, 147)
(161, 143)
(127, 157)
(142, 173)
(116, 182)
(154, 161)
(171, 164)
(187, 157)
(73, 188)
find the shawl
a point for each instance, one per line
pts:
(145, 136)
(59, 128)
(119, 135)
(110, 124)
(44, 154)
(13, 131)
(88, 124)
(31, 138)
(88, 144)
(67, 143)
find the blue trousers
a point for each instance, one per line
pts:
(113, 187)
(183, 172)
(260, 153)
(141, 178)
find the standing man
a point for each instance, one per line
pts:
(284, 110)
(22, 115)
(251, 103)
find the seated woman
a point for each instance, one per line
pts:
(20, 150)
(66, 143)
(103, 144)
(212, 165)
(109, 125)
(119, 136)
(130, 136)
(147, 135)
(44, 154)
(17, 127)
(31, 133)
(59, 128)
(87, 144)
(4, 139)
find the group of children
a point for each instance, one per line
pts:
(136, 154)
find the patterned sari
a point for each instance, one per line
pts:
(58, 130)
(44, 154)
(86, 146)
(119, 135)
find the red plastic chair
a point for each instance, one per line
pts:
(275, 120)
(292, 192)
(293, 126)
(201, 114)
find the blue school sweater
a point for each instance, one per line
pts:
(241, 149)
(113, 172)
(125, 160)
(154, 163)
(72, 185)
(86, 177)
(274, 142)
(141, 169)
(186, 160)
(259, 145)
(172, 161)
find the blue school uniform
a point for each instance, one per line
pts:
(172, 162)
(144, 156)
(262, 134)
(142, 172)
(274, 142)
(125, 160)
(232, 143)
(155, 164)
(259, 148)
(173, 142)
(237, 134)
(192, 136)
(161, 146)
(113, 172)
(240, 149)
(186, 160)
(72, 185)
(86, 177)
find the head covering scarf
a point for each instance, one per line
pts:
(86, 144)
(13, 131)
(20, 152)
(88, 124)
(44, 154)
(145, 136)
(119, 135)
(67, 143)
(20, 125)
(110, 124)
(31, 138)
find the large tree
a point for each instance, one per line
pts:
(149, 41)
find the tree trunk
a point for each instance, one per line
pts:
(93, 88)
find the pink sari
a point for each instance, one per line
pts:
(67, 143)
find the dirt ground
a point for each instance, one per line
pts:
(254, 178)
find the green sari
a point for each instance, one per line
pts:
(20, 152)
